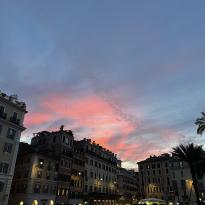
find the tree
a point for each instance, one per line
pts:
(194, 156)
(201, 124)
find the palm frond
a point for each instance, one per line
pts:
(200, 122)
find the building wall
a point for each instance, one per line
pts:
(154, 174)
(127, 183)
(34, 179)
(77, 178)
(181, 180)
(11, 125)
(58, 144)
(100, 183)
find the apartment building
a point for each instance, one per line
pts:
(58, 144)
(77, 177)
(128, 186)
(181, 180)
(12, 113)
(34, 181)
(100, 184)
(154, 175)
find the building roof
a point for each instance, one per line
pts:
(13, 100)
(154, 158)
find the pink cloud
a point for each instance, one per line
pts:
(37, 118)
(101, 122)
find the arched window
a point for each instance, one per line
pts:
(51, 202)
(35, 202)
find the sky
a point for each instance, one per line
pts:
(130, 75)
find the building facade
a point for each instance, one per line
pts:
(59, 145)
(12, 114)
(128, 186)
(77, 177)
(100, 177)
(34, 181)
(181, 180)
(154, 175)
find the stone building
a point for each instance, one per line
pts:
(100, 178)
(12, 114)
(34, 181)
(154, 175)
(181, 180)
(128, 186)
(58, 144)
(77, 177)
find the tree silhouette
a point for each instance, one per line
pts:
(194, 156)
(201, 124)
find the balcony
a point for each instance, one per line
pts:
(3, 115)
(15, 120)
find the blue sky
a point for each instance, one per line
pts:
(128, 74)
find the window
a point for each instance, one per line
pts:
(1, 108)
(54, 139)
(86, 188)
(15, 115)
(66, 140)
(180, 164)
(51, 202)
(91, 174)
(35, 202)
(37, 188)
(45, 188)
(1, 186)
(11, 133)
(7, 147)
(39, 174)
(48, 175)
(91, 162)
(4, 167)
(1, 128)
(183, 184)
(49, 166)
(2, 113)
(153, 166)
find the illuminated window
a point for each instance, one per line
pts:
(51, 202)
(35, 202)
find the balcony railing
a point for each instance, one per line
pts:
(15, 120)
(3, 115)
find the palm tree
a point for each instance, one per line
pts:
(193, 155)
(201, 124)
